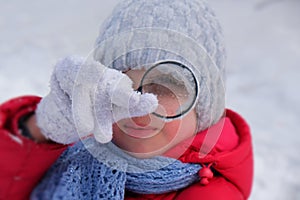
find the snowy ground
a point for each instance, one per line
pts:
(263, 69)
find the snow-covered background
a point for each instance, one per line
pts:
(263, 40)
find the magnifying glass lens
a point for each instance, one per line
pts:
(175, 87)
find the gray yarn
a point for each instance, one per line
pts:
(79, 175)
(139, 33)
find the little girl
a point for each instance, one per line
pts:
(145, 118)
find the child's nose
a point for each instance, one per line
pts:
(142, 121)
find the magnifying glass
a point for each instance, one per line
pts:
(175, 86)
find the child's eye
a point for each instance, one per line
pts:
(166, 90)
(174, 85)
(170, 97)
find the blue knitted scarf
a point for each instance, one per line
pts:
(90, 170)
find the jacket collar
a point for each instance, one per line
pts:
(231, 155)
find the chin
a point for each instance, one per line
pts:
(144, 155)
(146, 150)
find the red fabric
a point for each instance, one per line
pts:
(23, 162)
(231, 160)
(234, 166)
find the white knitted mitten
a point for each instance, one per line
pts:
(87, 98)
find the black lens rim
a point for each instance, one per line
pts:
(140, 88)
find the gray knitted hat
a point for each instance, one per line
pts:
(140, 33)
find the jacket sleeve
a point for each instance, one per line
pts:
(23, 161)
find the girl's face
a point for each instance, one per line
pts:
(149, 135)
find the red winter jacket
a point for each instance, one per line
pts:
(24, 162)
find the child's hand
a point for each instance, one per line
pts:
(87, 98)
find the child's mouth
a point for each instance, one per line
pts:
(139, 132)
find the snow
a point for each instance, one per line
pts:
(263, 75)
(263, 45)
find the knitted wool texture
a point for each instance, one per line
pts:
(69, 108)
(79, 175)
(139, 33)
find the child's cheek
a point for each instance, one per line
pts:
(171, 129)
